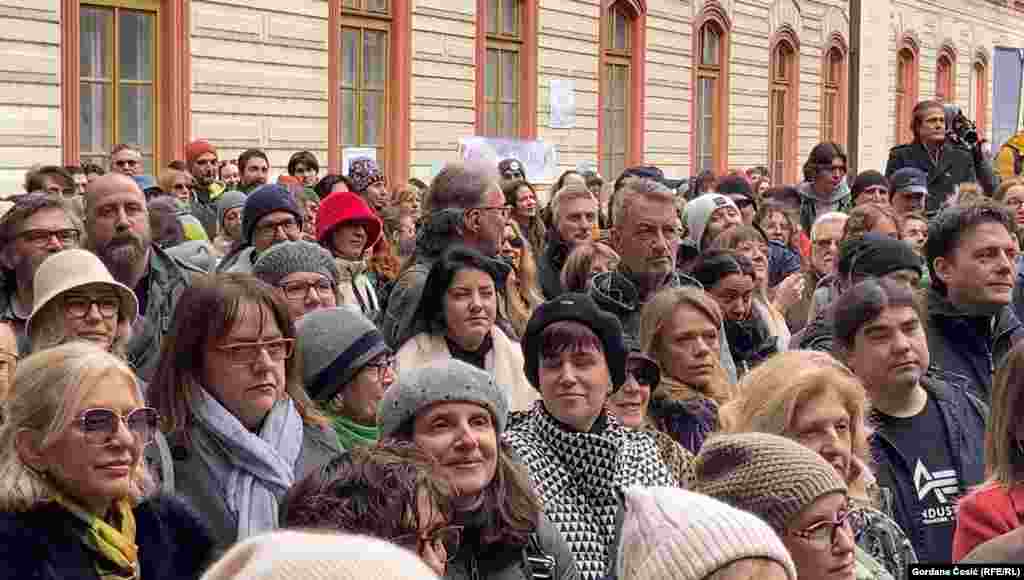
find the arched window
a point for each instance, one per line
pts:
(507, 76)
(979, 98)
(711, 97)
(945, 75)
(906, 88)
(369, 68)
(621, 97)
(833, 99)
(782, 108)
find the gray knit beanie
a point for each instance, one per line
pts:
(442, 381)
(286, 258)
(698, 214)
(772, 477)
(227, 201)
(670, 533)
(334, 345)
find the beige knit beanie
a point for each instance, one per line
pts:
(673, 534)
(311, 556)
(769, 476)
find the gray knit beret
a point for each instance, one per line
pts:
(227, 201)
(769, 476)
(334, 344)
(286, 258)
(442, 381)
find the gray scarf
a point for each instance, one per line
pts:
(255, 470)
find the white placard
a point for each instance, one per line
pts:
(539, 159)
(350, 153)
(562, 95)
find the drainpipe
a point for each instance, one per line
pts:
(853, 94)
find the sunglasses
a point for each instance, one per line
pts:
(100, 425)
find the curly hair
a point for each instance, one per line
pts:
(866, 217)
(370, 490)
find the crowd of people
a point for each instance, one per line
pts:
(205, 373)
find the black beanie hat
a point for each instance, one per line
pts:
(877, 255)
(577, 308)
(264, 200)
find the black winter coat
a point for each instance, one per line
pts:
(962, 347)
(964, 416)
(956, 166)
(42, 544)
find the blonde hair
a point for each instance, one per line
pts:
(48, 329)
(48, 388)
(1004, 459)
(169, 176)
(657, 314)
(521, 304)
(769, 396)
(1005, 186)
(576, 270)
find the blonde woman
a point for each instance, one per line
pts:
(679, 327)
(73, 486)
(584, 262)
(810, 397)
(994, 508)
(522, 291)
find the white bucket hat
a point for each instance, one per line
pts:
(70, 269)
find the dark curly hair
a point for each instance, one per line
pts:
(370, 490)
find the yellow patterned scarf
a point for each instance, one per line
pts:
(117, 556)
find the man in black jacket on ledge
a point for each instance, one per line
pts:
(946, 163)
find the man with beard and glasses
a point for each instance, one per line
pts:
(38, 225)
(202, 164)
(117, 230)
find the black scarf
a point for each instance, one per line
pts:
(476, 357)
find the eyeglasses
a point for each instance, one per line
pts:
(80, 306)
(382, 365)
(506, 210)
(447, 537)
(126, 162)
(515, 242)
(40, 238)
(100, 425)
(243, 353)
(267, 230)
(1015, 203)
(823, 534)
(513, 175)
(299, 290)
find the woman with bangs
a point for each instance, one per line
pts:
(75, 498)
(578, 454)
(810, 397)
(679, 327)
(241, 427)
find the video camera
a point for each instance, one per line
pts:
(959, 129)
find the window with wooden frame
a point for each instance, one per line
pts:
(617, 97)
(906, 89)
(708, 110)
(365, 57)
(118, 89)
(782, 110)
(502, 70)
(979, 100)
(833, 101)
(945, 75)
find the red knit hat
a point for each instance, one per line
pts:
(342, 207)
(197, 148)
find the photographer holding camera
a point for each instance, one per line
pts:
(948, 157)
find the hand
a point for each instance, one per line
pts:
(789, 291)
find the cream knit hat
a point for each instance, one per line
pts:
(308, 556)
(673, 534)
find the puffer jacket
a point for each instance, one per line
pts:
(969, 348)
(473, 562)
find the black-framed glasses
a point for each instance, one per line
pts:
(40, 237)
(79, 306)
(298, 290)
(824, 534)
(513, 175)
(99, 425)
(447, 537)
(267, 230)
(382, 365)
(243, 353)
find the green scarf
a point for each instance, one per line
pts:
(351, 433)
(117, 555)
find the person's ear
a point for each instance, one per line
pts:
(471, 220)
(27, 445)
(943, 269)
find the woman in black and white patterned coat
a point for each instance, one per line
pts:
(578, 455)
